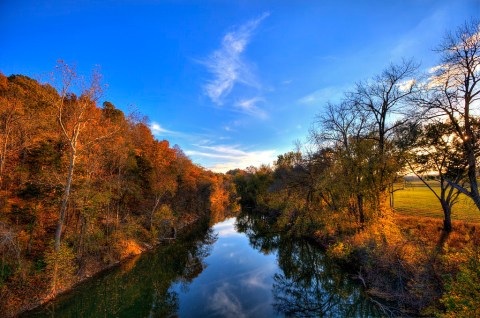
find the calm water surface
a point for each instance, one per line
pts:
(237, 268)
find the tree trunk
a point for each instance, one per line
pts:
(360, 208)
(152, 212)
(447, 219)
(66, 195)
(3, 157)
(472, 175)
(392, 202)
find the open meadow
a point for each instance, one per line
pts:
(416, 199)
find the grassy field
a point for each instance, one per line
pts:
(417, 200)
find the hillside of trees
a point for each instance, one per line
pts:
(338, 187)
(83, 186)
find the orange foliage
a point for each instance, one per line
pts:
(126, 185)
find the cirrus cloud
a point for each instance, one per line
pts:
(227, 64)
(228, 157)
(249, 106)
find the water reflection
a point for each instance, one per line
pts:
(308, 285)
(236, 283)
(142, 287)
(238, 268)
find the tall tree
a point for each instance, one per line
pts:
(453, 91)
(435, 157)
(73, 115)
(163, 177)
(344, 129)
(384, 100)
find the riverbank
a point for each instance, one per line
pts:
(235, 268)
(94, 267)
(407, 263)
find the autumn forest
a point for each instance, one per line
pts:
(84, 186)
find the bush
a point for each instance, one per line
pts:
(339, 251)
(462, 293)
(61, 266)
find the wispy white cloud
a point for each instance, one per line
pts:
(249, 106)
(225, 303)
(226, 228)
(227, 157)
(161, 132)
(322, 95)
(259, 278)
(157, 129)
(426, 30)
(406, 85)
(227, 64)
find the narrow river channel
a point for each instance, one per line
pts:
(235, 268)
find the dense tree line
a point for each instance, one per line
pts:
(398, 122)
(341, 182)
(83, 185)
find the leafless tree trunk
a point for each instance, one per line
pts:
(72, 122)
(452, 92)
(153, 210)
(66, 195)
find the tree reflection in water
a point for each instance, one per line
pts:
(309, 285)
(156, 284)
(142, 287)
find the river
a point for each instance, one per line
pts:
(235, 268)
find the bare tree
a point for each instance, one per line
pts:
(72, 116)
(384, 99)
(340, 124)
(453, 91)
(344, 129)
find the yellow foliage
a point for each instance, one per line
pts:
(339, 250)
(61, 266)
(128, 248)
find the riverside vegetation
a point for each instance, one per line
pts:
(83, 187)
(340, 188)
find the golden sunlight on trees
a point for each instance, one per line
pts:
(82, 186)
(74, 114)
(453, 93)
(335, 188)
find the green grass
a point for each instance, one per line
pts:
(417, 200)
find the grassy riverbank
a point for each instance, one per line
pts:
(408, 264)
(411, 264)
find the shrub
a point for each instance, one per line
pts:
(462, 293)
(61, 266)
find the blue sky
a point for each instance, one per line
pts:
(234, 83)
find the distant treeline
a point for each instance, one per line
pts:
(83, 186)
